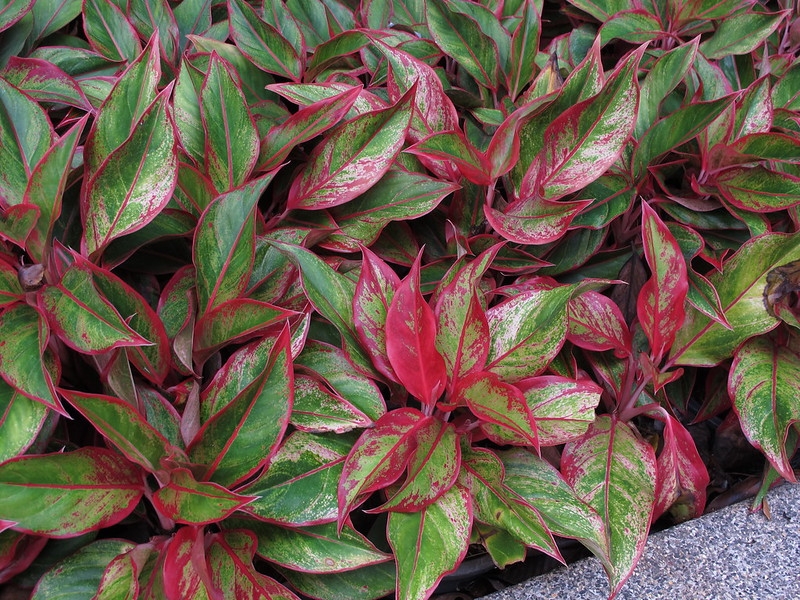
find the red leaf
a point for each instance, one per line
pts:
(534, 220)
(410, 341)
(660, 305)
(682, 477)
(185, 571)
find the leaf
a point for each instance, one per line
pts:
(676, 129)
(398, 196)
(596, 323)
(462, 331)
(224, 245)
(262, 43)
(21, 420)
(12, 11)
(411, 341)
(374, 292)
(534, 220)
(81, 317)
(315, 549)
(539, 484)
(230, 558)
(633, 26)
(109, 32)
(305, 124)
(453, 146)
(763, 386)
(524, 48)
(44, 82)
(494, 401)
(25, 137)
(581, 144)
(660, 303)
(614, 471)
(364, 583)
(124, 427)
(335, 49)
(432, 470)
(562, 408)
(70, 493)
(436, 111)
(664, 76)
(299, 487)
(430, 543)
(184, 570)
(186, 500)
(497, 505)
(46, 187)
(139, 175)
(703, 341)
(682, 475)
(461, 38)
(24, 335)
(242, 435)
(80, 573)
(156, 16)
(231, 149)
(319, 409)
(120, 578)
(379, 457)
(741, 34)
(330, 293)
(758, 189)
(352, 157)
(234, 321)
(527, 331)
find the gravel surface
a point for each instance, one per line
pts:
(731, 554)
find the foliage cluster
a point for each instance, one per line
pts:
(308, 297)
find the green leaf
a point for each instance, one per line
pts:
(23, 338)
(139, 176)
(527, 331)
(299, 487)
(352, 158)
(186, 500)
(602, 10)
(676, 129)
(398, 196)
(231, 149)
(740, 34)
(540, 484)
(21, 420)
(705, 342)
(331, 365)
(524, 48)
(314, 549)
(497, 505)
(633, 26)
(244, 433)
(664, 76)
(151, 16)
(12, 11)
(66, 494)
(124, 427)
(614, 471)
(81, 317)
(46, 187)
(429, 543)
(461, 38)
(763, 384)
(109, 32)
(758, 189)
(25, 137)
(224, 245)
(80, 573)
(44, 82)
(364, 583)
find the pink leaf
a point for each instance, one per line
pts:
(410, 341)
